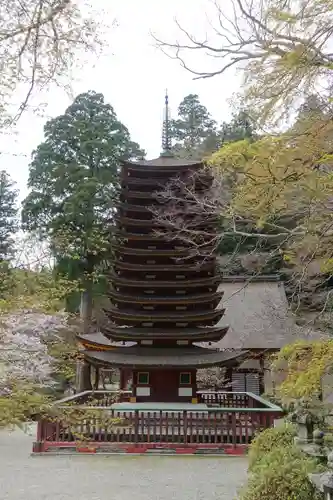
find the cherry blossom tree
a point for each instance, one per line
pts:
(24, 356)
(31, 363)
(212, 379)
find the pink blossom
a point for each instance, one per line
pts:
(23, 352)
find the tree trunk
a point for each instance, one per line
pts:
(86, 309)
(83, 376)
(83, 372)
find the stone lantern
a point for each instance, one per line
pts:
(324, 482)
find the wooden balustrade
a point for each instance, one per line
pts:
(212, 426)
(230, 399)
(231, 425)
(103, 398)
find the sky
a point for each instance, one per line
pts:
(133, 75)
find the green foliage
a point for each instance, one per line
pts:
(37, 290)
(8, 227)
(192, 128)
(65, 354)
(8, 216)
(73, 418)
(197, 135)
(281, 474)
(278, 469)
(279, 195)
(74, 180)
(268, 440)
(23, 403)
(242, 126)
(7, 280)
(305, 364)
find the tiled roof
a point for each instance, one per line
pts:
(136, 357)
(163, 161)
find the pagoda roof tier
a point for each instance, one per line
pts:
(133, 207)
(153, 357)
(173, 299)
(129, 316)
(176, 267)
(165, 162)
(158, 183)
(154, 182)
(129, 221)
(176, 252)
(130, 193)
(97, 341)
(151, 236)
(195, 334)
(186, 283)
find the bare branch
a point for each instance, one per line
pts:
(41, 42)
(283, 51)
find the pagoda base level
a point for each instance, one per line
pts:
(159, 448)
(160, 386)
(156, 427)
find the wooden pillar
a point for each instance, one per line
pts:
(125, 376)
(122, 379)
(262, 374)
(97, 378)
(194, 398)
(134, 386)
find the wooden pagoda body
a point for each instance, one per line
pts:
(163, 299)
(163, 324)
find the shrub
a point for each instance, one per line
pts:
(281, 474)
(268, 440)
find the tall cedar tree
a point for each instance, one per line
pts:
(74, 182)
(8, 227)
(192, 127)
(197, 135)
(8, 216)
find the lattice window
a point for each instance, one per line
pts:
(143, 378)
(185, 378)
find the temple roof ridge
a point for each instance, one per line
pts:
(164, 160)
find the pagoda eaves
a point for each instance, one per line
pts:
(163, 297)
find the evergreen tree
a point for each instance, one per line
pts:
(192, 127)
(241, 126)
(8, 227)
(8, 216)
(74, 183)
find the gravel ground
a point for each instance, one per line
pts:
(23, 477)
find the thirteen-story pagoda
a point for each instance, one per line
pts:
(163, 299)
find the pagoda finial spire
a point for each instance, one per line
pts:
(166, 136)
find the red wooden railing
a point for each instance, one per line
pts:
(231, 425)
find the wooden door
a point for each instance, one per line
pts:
(164, 385)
